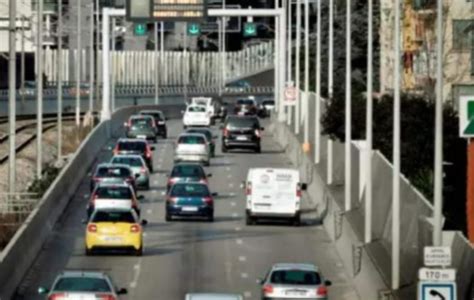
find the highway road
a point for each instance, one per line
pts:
(194, 256)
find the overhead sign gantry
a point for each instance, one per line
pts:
(166, 10)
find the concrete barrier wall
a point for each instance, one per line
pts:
(21, 252)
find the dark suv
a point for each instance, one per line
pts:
(160, 121)
(246, 107)
(241, 132)
(134, 146)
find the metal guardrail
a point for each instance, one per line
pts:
(150, 91)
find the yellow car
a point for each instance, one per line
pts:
(114, 229)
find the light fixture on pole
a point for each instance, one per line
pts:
(12, 99)
(348, 119)
(78, 66)
(306, 77)
(60, 79)
(39, 93)
(330, 85)
(297, 108)
(317, 129)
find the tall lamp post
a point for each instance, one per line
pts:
(39, 92)
(12, 99)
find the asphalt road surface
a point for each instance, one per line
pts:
(194, 256)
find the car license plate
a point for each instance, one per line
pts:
(295, 293)
(112, 239)
(189, 209)
(241, 113)
(141, 137)
(242, 138)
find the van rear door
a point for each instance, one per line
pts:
(274, 191)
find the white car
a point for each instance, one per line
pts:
(196, 115)
(273, 193)
(113, 195)
(208, 102)
(192, 147)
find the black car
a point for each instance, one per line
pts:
(246, 107)
(187, 172)
(135, 146)
(160, 121)
(112, 173)
(243, 132)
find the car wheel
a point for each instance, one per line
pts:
(249, 220)
(139, 251)
(147, 186)
(258, 149)
(168, 218)
(185, 127)
(210, 218)
(224, 149)
(297, 221)
(165, 136)
(88, 252)
(207, 163)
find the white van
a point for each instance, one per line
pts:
(273, 193)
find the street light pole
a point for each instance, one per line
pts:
(369, 127)
(290, 42)
(157, 71)
(22, 60)
(348, 125)
(112, 65)
(306, 74)
(438, 174)
(60, 79)
(317, 130)
(39, 93)
(396, 155)
(78, 66)
(330, 84)
(298, 66)
(91, 62)
(97, 45)
(12, 99)
(162, 53)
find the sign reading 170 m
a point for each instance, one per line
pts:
(166, 10)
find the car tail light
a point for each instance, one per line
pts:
(96, 178)
(208, 200)
(116, 150)
(322, 291)
(148, 152)
(172, 200)
(203, 181)
(135, 229)
(92, 228)
(129, 179)
(248, 189)
(58, 296)
(93, 198)
(257, 133)
(129, 124)
(298, 192)
(226, 132)
(267, 289)
(104, 297)
(143, 170)
(161, 123)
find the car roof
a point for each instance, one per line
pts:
(150, 111)
(297, 266)
(110, 184)
(126, 140)
(127, 155)
(193, 164)
(88, 274)
(198, 129)
(190, 183)
(205, 296)
(109, 165)
(192, 134)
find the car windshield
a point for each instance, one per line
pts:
(132, 146)
(191, 139)
(245, 102)
(157, 116)
(295, 277)
(200, 102)
(109, 192)
(129, 161)
(141, 122)
(189, 190)
(81, 284)
(242, 123)
(113, 172)
(187, 171)
(113, 217)
(207, 133)
(196, 109)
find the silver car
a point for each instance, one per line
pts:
(138, 166)
(192, 147)
(82, 285)
(294, 281)
(206, 296)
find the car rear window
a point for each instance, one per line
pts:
(191, 139)
(207, 133)
(113, 192)
(245, 102)
(81, 284)
(242, 123)
(187, 171)
(113, 216)
(132, 146)
(141, 122)
(156, 116)
(295, 277)
(196, 109)
(129, 161)
(113, 172)
(189, 190)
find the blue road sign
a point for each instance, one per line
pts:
(437, 290)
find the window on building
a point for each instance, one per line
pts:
(463, 38)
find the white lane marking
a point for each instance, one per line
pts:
(233, 204)
(247, 294)
(227, 168)
(163, 193)
(156, 182)
(232, 194)
(86, 196)
(235, 215)
(154, 191)
(239, 241)
(244, 275)
(145, 234)
(238, 229)
(149, 211)
(231, 185)
(242, 258)
(137, 270)
(89, 174)
(229, 176)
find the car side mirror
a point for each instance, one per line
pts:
(328, 283)
(259, 281)
(152, 148)
(42, 290)
(304, 186)
(215, 194)
(144, 222)
(122, 291)
(262, 128)
(141, 197)
(209, 175)
(84, 221)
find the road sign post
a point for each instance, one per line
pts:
(250, 29)
(437, 290)
(194, 29)
(291, 95)
(139, 29)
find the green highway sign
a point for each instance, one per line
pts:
(250, 29)
(194, 29)
(139, 29)
(466, 116)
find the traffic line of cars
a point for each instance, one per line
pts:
(114, 211)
